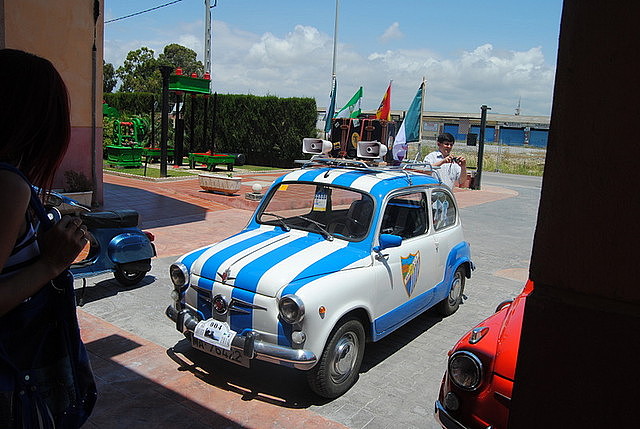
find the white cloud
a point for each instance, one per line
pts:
(298, 64)
(391, 33)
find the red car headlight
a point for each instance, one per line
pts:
(465, 370)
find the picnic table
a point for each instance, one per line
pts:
(212, 159)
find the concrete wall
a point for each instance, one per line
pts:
(63, 32)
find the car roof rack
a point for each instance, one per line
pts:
(360, 165)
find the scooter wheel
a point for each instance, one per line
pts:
(129, 277)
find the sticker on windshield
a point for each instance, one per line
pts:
(320, 201)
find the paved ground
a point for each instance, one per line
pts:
(148, 375)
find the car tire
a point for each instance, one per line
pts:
(450, 304)
(128, 277)
(340, 362)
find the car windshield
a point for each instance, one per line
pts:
(327, 210)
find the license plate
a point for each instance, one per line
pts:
(234, 355)
(215, 337)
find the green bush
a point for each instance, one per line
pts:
(267, 130)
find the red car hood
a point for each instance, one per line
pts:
(509, 338)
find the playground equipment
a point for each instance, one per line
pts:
(126, 146)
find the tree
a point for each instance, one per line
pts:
(175, 55)
(140, 73)
(109, 77)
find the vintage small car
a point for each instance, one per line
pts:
(477, 386)
(337, 253)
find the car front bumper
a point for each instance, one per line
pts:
(446, 420)
(250, 343)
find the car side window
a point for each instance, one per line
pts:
(406, 215)
(443, 209)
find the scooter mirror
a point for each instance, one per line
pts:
(54, 215)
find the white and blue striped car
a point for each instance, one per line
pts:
(333, 257)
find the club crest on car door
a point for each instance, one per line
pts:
(410, 271)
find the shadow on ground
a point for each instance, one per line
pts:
(128, 399)
(155, 210)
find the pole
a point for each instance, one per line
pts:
(207, 35)
(204, 120)
(153, 121)
(424, 90)
(94, 78)
(483, 124)
(335, 44)
(192, 130)
(213, 124)
(164, 120)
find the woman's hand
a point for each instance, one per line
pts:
(60, 245)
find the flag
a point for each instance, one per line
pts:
(332, 106)
(384, 111)
(352, 108)
(410, 129)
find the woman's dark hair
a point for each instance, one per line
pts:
(446, 137)
(34, 119)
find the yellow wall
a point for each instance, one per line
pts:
(63, 32)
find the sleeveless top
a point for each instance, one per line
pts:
(24, 253)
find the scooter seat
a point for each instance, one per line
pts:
(110, 219)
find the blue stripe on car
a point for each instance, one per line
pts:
(212, 265)
(239, 321)
(338, 260)
(249, 276)
(189, 259)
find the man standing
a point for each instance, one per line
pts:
(453, 169)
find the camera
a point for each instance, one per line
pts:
(456, 159)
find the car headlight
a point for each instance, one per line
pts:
(465, 370)
(179, 276)
(291, 309)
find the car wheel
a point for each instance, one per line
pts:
(450, 304)
(129, 277)
(340, 362)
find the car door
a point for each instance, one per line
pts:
(404, 274)
(445, 228)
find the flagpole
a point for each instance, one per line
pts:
(424, 89)
(333, 65)
(335, 43)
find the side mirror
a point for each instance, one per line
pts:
(387, 241)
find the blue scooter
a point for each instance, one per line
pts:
(116, 244)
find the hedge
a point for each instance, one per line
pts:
(267, 130)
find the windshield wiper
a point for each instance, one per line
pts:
(326, 234)
(280, 218)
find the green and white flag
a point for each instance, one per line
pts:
(352, 108)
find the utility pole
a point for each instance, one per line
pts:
(483, 124)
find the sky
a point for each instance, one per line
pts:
(470, 52)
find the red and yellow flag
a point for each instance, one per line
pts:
(384, 111)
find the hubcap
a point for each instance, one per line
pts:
(345, 355)
(455, 289)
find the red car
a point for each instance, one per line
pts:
(476, 388)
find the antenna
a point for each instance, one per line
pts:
(518, 107)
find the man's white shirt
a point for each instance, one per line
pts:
(449, 172)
